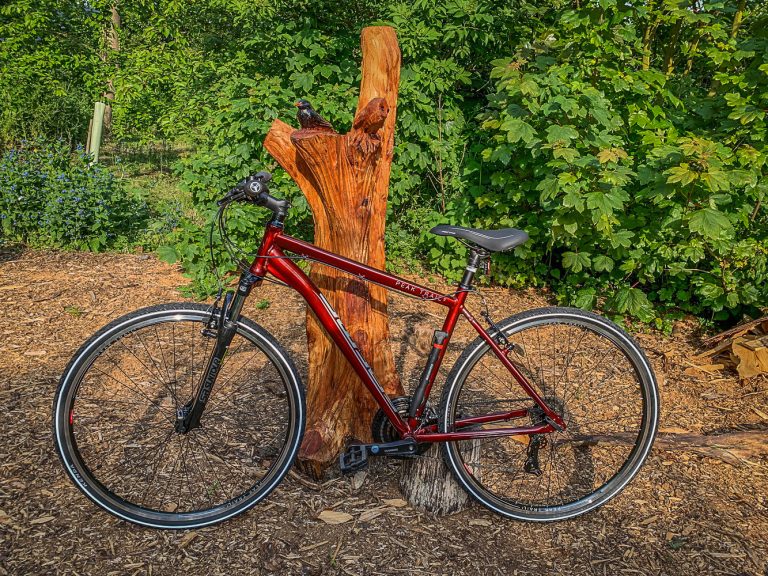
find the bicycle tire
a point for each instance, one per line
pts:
(114, 415)
(609, 432)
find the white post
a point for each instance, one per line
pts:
(98, 124)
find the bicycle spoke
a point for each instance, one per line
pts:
(170, 418)
(583, 374)
(117, 419)
(142, 363)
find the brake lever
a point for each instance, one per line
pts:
(232, 196)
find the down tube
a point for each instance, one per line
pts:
(287, 271)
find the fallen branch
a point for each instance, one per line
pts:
(731, 447)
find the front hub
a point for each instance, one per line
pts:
(183, 413)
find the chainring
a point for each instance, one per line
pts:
(382, 430)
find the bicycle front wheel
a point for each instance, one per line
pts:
(588, 370)
(116, 407)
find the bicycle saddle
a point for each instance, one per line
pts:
(493, 240)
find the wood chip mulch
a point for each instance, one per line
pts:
(688, 512)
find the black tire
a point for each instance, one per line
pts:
(115, 408)
(589, 370)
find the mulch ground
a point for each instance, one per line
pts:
(684, 514)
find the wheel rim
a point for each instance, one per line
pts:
(592, 370)
(121, 415)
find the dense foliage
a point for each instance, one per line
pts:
(50, 197)
(637, 184)
(49, 68)
(629, 139)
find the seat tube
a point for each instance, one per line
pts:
(442, 337)
(440, 341)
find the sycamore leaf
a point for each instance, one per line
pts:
(548, 188)
(710, 223)
(167, 254)
(528, 87)
(573, 199)
(518, 130)
(633, 301)
(556, 133)
(716, 180)
(622, 238)
(576, 261)
(567, 154)
(604, 203)
(611, 155)
(682, 174)
(602, 263)
(586, 298)
(711, 291)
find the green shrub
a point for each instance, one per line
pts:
(51, 197)
(50, 68)
(642, 191)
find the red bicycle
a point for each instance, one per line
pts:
(184, 415)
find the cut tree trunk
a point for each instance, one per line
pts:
(428, 484)
(345, 178)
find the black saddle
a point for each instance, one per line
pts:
(493, 240)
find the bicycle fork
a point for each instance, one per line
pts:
(188, 416)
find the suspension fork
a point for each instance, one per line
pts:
(188, 416)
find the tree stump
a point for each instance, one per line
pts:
(345, 178)
(428, 484)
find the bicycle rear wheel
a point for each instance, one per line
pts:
(588, 370)
(115, 413)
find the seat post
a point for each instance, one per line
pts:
(477, 257)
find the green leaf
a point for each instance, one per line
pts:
(711, 291)
(167, 254)
(602, 263)
(557, 133)
(611, 155)
(528, 86)
(586, 298)
(633, 301)
(567, 154)
(604, 203)
(548, 188)
(518, 130)
(682, 174)
(576, 261)
(716, 180)
(710, 223)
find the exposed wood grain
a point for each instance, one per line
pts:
(428, 484)
(345, 178)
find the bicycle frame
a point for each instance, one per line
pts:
(271, 259)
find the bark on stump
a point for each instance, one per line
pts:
(345, 178)
(428, 484)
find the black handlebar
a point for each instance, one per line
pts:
(254, 189)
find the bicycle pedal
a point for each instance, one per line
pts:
(353, 459)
